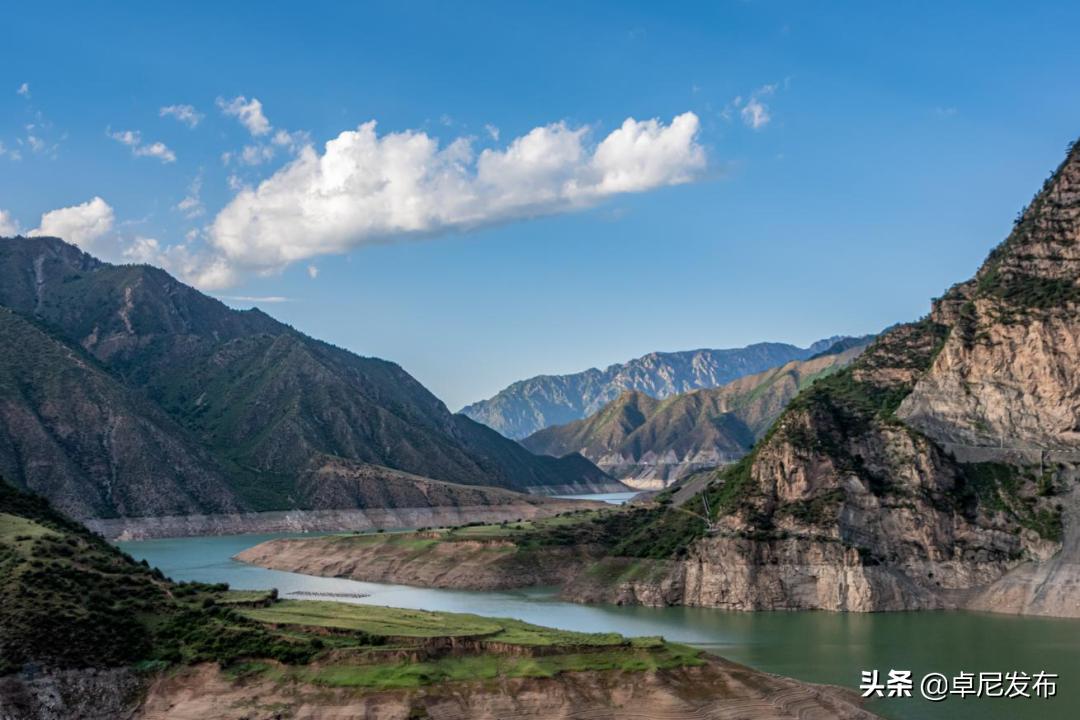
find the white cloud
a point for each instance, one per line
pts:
(133, 139)
(365, 188)
(191, 206)
(312, 271)
(183, 113)
(492, 131)
(293, 141)
(753, 110)
(143, 251)
(755, 114)
(24, 90)
(256, 154)
(256, 298)
(8, 226)
(199, 268)
(81, 225)
(36, 144)
(156, 150)
(248, 112)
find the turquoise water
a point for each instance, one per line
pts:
(818, 647)
(612, 498)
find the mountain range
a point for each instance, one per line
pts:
(545, 400)
(125, 393)
(649, 443)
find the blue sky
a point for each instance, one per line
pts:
(836, 164)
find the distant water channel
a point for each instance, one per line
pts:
(612, 498)
(814, 646)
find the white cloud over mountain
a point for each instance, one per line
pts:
(8, 226)
(366, 188)
(83, 225)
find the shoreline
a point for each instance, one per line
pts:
(305, 521)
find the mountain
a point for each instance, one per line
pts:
(75, 433)
(128, 393)
(534, 404)
(649, 443)
(940, 469)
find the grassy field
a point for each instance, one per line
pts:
(489, 666)
(19, 532)
(428, 537)
(401, 623)
(245, 597)
(374, 666)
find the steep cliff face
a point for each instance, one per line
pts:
(531, 405)
(1010, 372)
(649, 443)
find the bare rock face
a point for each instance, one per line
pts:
(461, 565)
(1010, 373)
(90, 694)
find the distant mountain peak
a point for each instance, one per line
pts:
(649, 443)
(527, 406)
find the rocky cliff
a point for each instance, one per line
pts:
(649, 443)
(531, 405)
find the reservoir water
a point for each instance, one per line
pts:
(814, 646)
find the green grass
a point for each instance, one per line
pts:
(373, 619)
(997, 487)
(403, 623)
(489, 666)
(244, 597)
(20, 532)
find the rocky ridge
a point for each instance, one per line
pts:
(528, 406)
